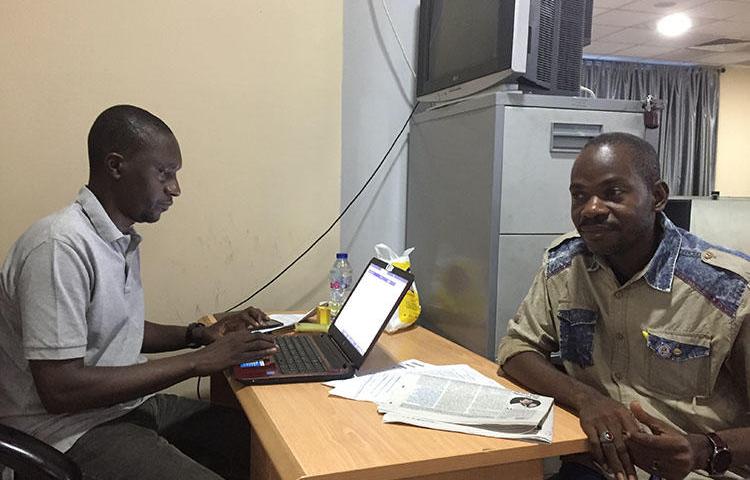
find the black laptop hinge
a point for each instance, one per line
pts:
(330, 343)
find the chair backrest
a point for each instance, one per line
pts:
(29, 457)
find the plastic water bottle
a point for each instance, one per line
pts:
(340, 281)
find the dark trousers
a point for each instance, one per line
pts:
(167, 437)
(576, 471)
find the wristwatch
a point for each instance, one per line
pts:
(720, 457)
(191, 340)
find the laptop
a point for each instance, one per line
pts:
(340, 352)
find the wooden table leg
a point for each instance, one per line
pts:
(261, 467)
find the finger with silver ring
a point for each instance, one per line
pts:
(616, 454)
(595, 446)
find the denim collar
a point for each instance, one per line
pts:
(660, 270)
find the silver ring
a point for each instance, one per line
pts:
(606, 437)
(655, 466)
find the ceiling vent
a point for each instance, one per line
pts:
(723, 45)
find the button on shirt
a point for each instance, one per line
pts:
(70, 287)
(676, 336)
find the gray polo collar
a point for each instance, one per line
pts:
(101, 222)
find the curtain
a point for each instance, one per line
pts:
(687, 137)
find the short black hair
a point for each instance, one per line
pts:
(644, 158)
(123, 129)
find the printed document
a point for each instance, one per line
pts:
(429, 397)
(454, 398)
(543, 434)
(377, 387)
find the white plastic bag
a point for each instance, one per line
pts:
(409, 308)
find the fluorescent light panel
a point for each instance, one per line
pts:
(674, 25)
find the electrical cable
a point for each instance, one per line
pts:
(351, 202)
(343, 212)
(398, 39)
(588, 91)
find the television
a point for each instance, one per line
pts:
(466, 46)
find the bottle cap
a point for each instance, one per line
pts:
(341, 255)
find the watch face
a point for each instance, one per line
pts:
(721, 461)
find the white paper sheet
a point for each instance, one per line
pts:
(422, 394)
(286, 319)
(382, 387)
(543, 434)
(374, 387)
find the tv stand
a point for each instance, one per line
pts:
(509, 88)
(504, 88)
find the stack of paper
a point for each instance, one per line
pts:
(454, 398)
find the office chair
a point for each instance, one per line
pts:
(30, 458)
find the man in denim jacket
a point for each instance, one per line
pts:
(651, 323)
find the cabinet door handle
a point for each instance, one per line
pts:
(571, 137)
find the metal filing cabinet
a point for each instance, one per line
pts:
(487, 192)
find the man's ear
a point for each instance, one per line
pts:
(113, 164)
(661, 194)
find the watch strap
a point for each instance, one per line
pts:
(191, 340)
(718, 447)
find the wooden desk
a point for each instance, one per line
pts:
(301, 432)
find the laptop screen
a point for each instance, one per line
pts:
(368, 305)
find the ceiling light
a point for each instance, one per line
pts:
(674, 25)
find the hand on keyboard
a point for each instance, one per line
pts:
(270, 323)
(232, 349)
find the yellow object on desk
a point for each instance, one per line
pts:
(324, 314)
(311, 327)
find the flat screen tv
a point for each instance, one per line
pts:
(466, 46)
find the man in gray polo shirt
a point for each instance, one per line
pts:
(73, 332)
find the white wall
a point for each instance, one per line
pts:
(733, 146)
(377, 96)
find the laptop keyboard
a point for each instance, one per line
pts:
(297, 355)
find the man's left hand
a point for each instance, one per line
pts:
(249, 318)
(665, 451)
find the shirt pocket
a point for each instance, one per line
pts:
(577, 327)
(679, 364)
